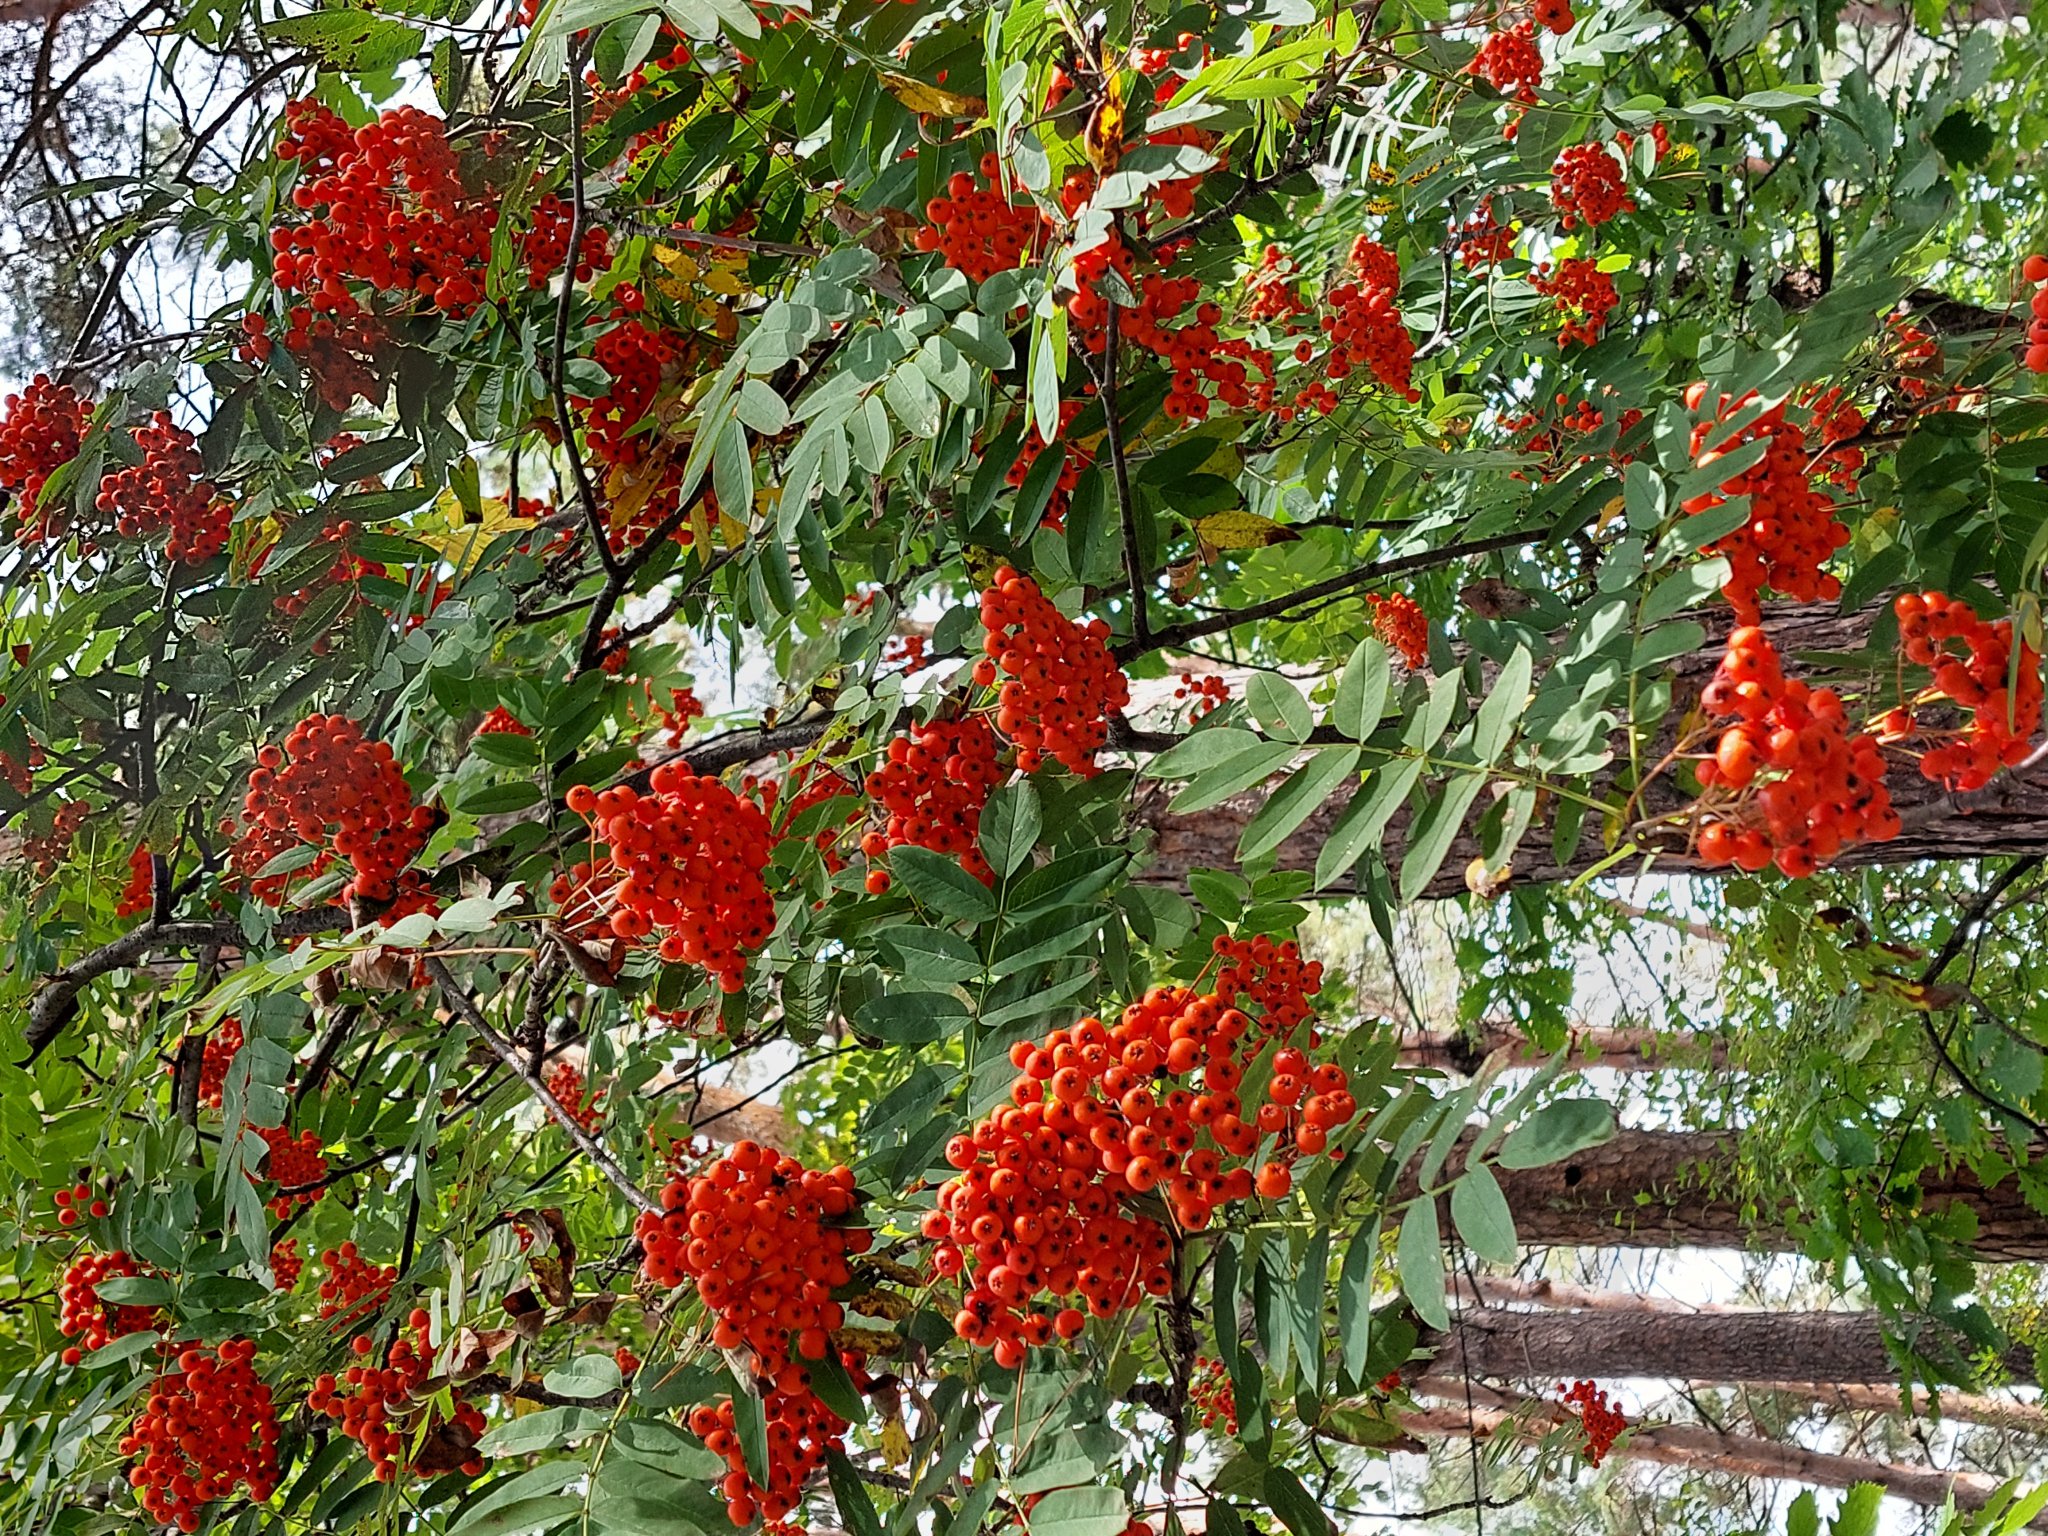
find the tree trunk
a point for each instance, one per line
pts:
(1618, 1050)
(1673, 1189)
(1722, 1347)
(1699, 1449)
(2010, 816)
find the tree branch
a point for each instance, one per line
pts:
(508, 1053)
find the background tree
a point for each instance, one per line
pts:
(750, 756)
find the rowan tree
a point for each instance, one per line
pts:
(688, 690)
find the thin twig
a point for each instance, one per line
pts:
(508, 1053)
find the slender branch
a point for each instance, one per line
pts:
(1195, 629)
(56, 1005)
(586, 493)
(509, 1054)
(1127, 512)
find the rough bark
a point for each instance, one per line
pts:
(1671, 1189)
(1699, 1449)
(1617, 1050)
(1724, 1347)
(2010, 816)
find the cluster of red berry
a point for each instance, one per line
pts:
(1402, 625)
(387, 207)
(46, 850)
(1552, 442)
(546, 245)
(685, 859)
(1073, 459)
(977, 228)
(565, 1083)
(81, 1313)
(167, 490)
(1792, 529)
(139, 894)
(1510, 62)
(932, 786)
(353, 1287)
(683, 707)
(801, 1431)
(502, 722)
(208, 1428)
(639, 358)
(1364, 325)
(1208, 691)
(2002, 718)
(1212, 1396)
(327, 782)
(76, 1203)
(1097, 1117)
(1483, 241)
(1600, 1419)
(1584, 295)
(1062, 683)
(295, 1164)
(2035, 271)
(1587, 187)
(758, 1233)
(376, 1406)
(41, 428)
(285, 1264)
(1789, 782)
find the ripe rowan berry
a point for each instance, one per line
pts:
(1510, 62)
(139, 894)
(1402, 625)
(380, 1407)
(353, 1287)
(1062, 681)
(565, 1083)
(1586, 187)
(1598, 1418)
(932, 785)
(329, 787)
(1584, 295)
(2001, 694)
(759, 1234)
(84, 1317)
(208, 1428)
(41, 428)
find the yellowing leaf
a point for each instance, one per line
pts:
(1242, 530)
(932, 100)
(722, 277)
(895, 1443)
(1614, 508)
(1103, 141)
(447, 529)
(677, 264)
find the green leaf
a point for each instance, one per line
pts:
(1859, 1511)
(630, 1498)
(585, 1376)
(1090, 1511)
(929, 954)
(1365, 819)
(1354, 1298)
(750, 1424)
(352, 41)
(1278, 706)
(856, 1509)
(541, 1431)
(529, 1488)
(1296, 800)
(523, 1517)
(1240, 772)
(1010, 824)
(1293, 1503)
(1419, 1258)
(1057, 1461)
(1202, 750)
(907, 1016)
(668, 1447)
(938, 882)
(1557, 1130)
(1495, 720)
(1362, 690)
(1480, 1213)
(135, 1291)
(1431, 834)
(835, 1388)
